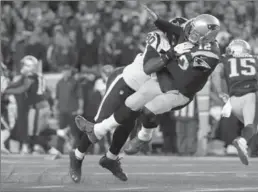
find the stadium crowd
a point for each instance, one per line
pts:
(85, 40)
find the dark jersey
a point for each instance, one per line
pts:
(37, 90)
(240, 74)
(192, 70)
(33, 86)
(189, 72)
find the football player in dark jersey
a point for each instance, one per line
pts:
(197, 66)
(239, 69)
(193, 69)
(32, 83)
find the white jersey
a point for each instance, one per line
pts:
(133, 74)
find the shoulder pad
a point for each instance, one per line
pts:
(158, 41)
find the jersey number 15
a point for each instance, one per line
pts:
(246, 67)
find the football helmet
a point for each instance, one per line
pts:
(237, 47)
(178, 21)
(202, 29)
(30, 65)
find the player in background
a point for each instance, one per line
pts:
(32, 83)
(239, 69)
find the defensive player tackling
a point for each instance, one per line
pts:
(163, 78)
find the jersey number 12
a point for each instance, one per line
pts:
(246, 67)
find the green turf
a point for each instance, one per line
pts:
(146, 174)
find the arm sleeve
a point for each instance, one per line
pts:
(167, 27)
(20, 89)
(216, 78)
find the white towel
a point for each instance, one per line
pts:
(226, 110)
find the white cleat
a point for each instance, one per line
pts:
(242, 149)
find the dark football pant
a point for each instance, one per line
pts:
(37, 122)
(115, 96)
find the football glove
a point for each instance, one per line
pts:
(182, 48)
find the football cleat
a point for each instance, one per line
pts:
(242, 149)
(75, 167)
(114, 166)
(135, 146)
(86, 127)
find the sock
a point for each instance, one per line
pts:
(248, 131)
(101, 129)
(145, 134)
(79, 155)
(111, 155)
(120, 136)
(149, 119)
(84, 144)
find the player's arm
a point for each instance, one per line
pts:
(20, 89)
(167, 27)
(153, 61)
(217, 79)
(163, 25)
(157, 54)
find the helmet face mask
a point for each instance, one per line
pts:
(203, 29)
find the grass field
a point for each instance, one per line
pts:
(146, 174)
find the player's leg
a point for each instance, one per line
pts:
(111, 160)
(32, 128)
(244, 108)
(134, 101)
(147, 92)
(115, 96)
(141, 140)
(112, 111)
(159, 105)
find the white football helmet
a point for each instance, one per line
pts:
(30, 65)
(238, 47)
(202, 29)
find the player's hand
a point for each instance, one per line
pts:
(153, 16)
(183, 48)
(224, 97)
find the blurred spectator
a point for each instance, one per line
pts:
(36, 48)
(69, 102)
(174, 10)
(88, 47)
(109, 51)
(61, 52)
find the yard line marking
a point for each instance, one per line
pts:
(45, 187)
(39, 164)
(225, 189)
(182, 173)
(128, 188)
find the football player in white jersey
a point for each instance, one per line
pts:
(130, 80)
(141, 83)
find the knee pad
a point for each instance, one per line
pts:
(149, 119)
